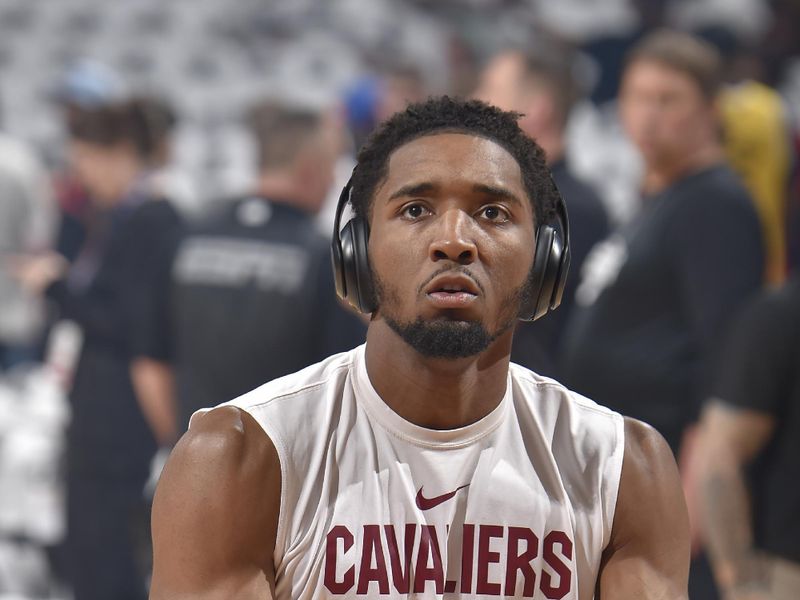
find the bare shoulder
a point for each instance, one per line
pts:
(645, 449)
(650, 484)
(227, 434)
(224, 449)
(648, 554)
(216, 507)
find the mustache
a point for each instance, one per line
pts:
(452, 270)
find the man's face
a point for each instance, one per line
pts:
(664, 112)
(451, 243)
(98, 168)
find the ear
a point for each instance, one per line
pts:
(538, 114)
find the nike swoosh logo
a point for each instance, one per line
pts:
(424, 503)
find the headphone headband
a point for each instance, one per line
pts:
(344, 199)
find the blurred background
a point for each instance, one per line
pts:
(108, 107)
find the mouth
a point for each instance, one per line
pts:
(452, 291)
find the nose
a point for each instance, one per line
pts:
(454, 239)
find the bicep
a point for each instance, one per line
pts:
(648, 554)
(215, 513)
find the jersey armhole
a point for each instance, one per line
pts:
(280, 449)
(613, 477)
(277, 442)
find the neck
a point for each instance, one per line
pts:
(121, 181)
(659, 176)
(280, 186)
(552, 143)
(436, 393)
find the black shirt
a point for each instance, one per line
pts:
(655, 299)
(761, 371)
(252, 299)
(108, 435)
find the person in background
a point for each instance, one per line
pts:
(656, 299)
(759, 150)
(86, 86)
(157, 123)
(28, 218)
(539, 84)
(249, 294)
(749, 451)
(373, 98)
(108, 290)
(756, 136)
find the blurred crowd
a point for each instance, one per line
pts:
(169, 172)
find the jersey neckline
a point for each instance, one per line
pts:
(416, 434)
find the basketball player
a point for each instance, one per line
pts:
(424, 464)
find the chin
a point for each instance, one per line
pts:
(447, 337)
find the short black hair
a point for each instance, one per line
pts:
(445, 114)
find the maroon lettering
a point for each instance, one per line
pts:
(521, 561)
(362, 568)
(557, 564)
(486, 533)
(428, 550)
(400, 571)
(372, 551)
(467, 549)
(449, 584)
(339, 532)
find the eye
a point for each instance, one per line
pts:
(494, 213)
(412, 212)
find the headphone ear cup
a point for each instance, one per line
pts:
(354, 260)
(363, 274)
(561, 259)
(338, 268)
(542, 275)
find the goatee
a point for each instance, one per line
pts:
(443, 338)
(447, 337)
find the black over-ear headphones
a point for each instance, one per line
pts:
(354, 279)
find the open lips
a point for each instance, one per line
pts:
(452, 291)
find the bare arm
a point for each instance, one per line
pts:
(647, 557)
(154, 384)
(215, 512)
(730, 439)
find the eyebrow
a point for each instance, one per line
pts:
(413, 189)
(497, 192)
(417, 189)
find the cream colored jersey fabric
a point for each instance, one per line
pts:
(519, 504)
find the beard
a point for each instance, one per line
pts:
(451, 338)
(443, 338)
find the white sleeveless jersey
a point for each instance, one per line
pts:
(519, 504)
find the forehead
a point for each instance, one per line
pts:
(503, 69)
(450, 158)
(498, 83)
(650, 73)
